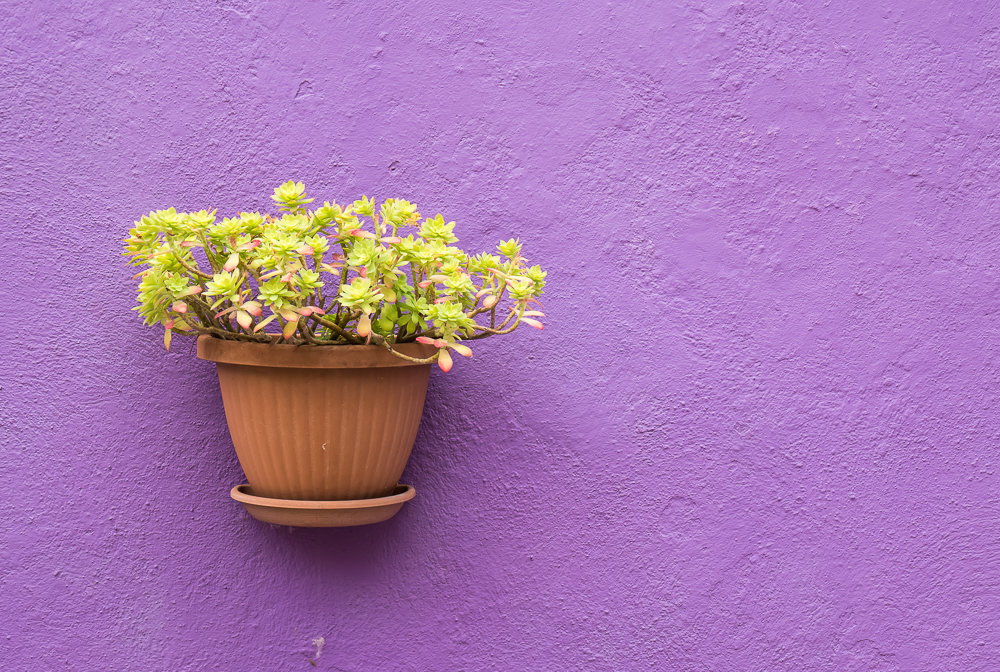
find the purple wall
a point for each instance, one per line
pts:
(758, 433)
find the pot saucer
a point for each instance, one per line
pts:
(332, 513)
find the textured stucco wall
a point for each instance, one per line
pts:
(758, 433)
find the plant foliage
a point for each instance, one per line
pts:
(355, 274)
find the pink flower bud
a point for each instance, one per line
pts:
(463, 350)
(364, 326)
(533, 323)
(444, 360)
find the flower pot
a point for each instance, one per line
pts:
(320, 423)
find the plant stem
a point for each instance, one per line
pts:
(337, 329)
(191, 269)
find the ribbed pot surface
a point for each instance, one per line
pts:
(320, 422)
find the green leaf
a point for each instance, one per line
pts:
(291, 196)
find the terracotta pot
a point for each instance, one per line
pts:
(320, 422)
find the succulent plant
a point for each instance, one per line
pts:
(333, 275)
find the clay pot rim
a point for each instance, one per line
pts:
(402, 493)
(283, 355)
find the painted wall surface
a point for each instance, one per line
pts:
(758, 433)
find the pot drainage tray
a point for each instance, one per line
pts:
(332, 513)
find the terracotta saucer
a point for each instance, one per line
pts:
(333, 513)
